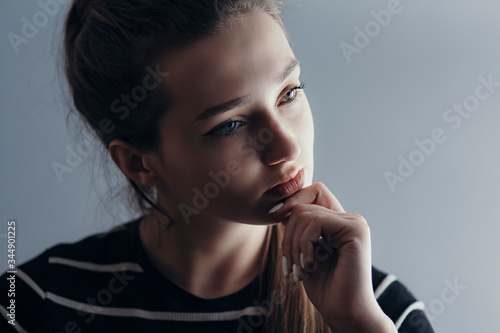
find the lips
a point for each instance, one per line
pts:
(287, 186)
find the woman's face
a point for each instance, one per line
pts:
(236, 126)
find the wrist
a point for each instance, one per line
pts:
(377, 322)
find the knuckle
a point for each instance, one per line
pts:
(315, 218)
(302, 216)
(298, 208)
(319, 184)
(359, 223)
(357, 217)
(320, 187)
(363, 228)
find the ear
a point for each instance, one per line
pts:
(134, 164)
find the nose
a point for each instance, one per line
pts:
(282, 144)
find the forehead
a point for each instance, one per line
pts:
(249, 53)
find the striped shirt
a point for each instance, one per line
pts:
(106, 283)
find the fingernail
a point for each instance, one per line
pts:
(284, 266)
(302, 260)
(275, 208)
(295, 275)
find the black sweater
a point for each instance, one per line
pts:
(106, 283)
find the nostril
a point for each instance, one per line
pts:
(284, 148)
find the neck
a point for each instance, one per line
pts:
(210, 259)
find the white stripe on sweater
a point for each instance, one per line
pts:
(30, 282)
(139, 313)
(90, 266)
(389, 279)
(415, 306)
(18, 327)
(156, 315)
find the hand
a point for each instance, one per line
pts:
(336, 254)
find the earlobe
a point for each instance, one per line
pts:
(133, 163)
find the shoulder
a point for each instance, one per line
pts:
(399, 304)
(69, 270)
(103, 248)
(94, 251)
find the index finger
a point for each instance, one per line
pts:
(317, 194)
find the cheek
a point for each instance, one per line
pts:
(304, 129)
(187, 168)
(306, 116)
(235, 178)
(213, 173)
(306, 138)
(230, 191)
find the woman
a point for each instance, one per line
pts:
(200, 106)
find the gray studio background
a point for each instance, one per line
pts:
(437, 229)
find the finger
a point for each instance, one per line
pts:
(317, 194)
(302, 215)
(298, 219)
(287, 245)
(348, 233)
(310, 218)
(301, 220)
(314, 248)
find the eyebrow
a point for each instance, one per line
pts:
(240, 101)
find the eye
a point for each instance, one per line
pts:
(291, 94)
(227, 129)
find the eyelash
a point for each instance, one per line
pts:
(235, 132)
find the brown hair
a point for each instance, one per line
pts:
(112, 48)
